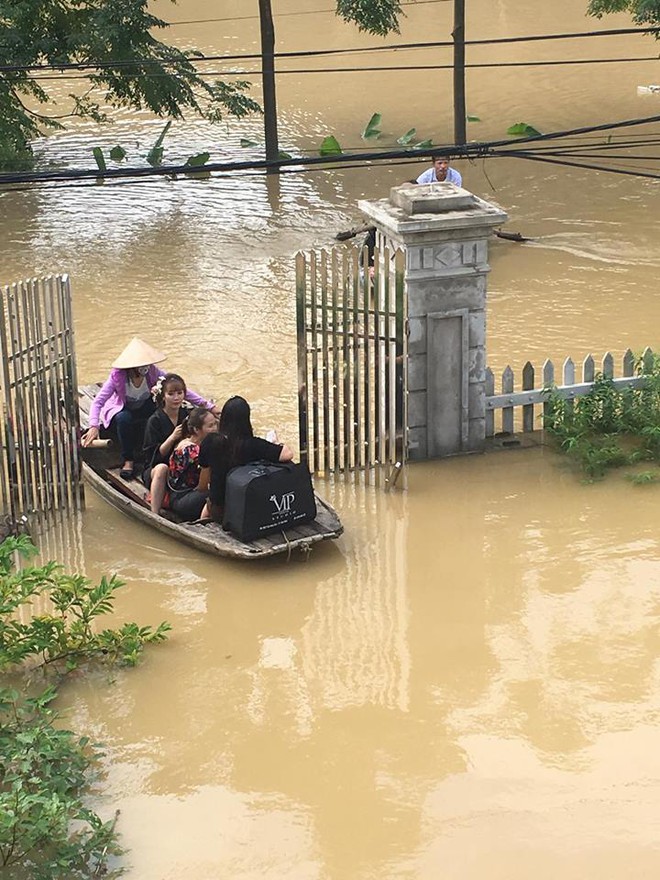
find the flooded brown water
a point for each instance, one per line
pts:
(466, 685)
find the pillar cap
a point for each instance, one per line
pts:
(425, 211)
(431, 198)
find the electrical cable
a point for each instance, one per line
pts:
(512, 154)
(577, 143)
(279, 15)
(471, 150)
(260, 175)
(309, 53)
(257, 72)
(532, 157)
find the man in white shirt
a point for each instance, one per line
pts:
(440, 172)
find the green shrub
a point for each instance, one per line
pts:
(610, 426)
(65, 635)
(46, 830)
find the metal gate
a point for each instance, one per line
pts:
(39, 426)
(352, 354)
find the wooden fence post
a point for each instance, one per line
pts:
(507, 411)
(528, 409)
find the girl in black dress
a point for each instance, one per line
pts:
(162, 433)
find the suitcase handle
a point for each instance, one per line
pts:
(263, 464)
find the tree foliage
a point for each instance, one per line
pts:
(47, 832)
(65, 634)
(128, 67)
(643, 12)
(379, 17)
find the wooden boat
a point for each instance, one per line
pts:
(101, 470)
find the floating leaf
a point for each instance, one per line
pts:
(283, 155)
(406, 138)
(522, 129)
(155, 154)
(117, 153)
(372, 132)
(424, 145)
(161, 136)
(197, 162)
(246, 142)
(473, 118)
(330, 146)
(100, 159)
(198, 159)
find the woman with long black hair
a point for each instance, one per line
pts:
(234, 444)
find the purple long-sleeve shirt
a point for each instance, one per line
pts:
(111, 399)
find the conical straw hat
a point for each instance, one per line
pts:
(138, 354)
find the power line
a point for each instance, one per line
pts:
(388, 68)
(590, 167)
(509, 154)
(578, 143)
(470, 150)
(309, 53)
(279, 15)
(259, 174)
(606, 148)
(575, 150)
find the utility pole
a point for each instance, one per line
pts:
(268, 81)
(458, 35)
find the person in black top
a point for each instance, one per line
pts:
(162, 433)
(233, 445)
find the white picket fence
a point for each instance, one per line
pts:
(519, 409)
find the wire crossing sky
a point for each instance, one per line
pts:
(536, 149)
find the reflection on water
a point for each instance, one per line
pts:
(355, 640)
(466, 685)
(466, 680)
(60, 537)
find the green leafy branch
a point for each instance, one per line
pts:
(46, 831)
(64, 635)
(611, 426)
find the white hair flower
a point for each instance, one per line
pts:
(157, 390)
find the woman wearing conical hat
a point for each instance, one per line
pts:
(125, 400)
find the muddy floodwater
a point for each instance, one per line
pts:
(467, 684)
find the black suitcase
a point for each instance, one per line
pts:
(264, 497)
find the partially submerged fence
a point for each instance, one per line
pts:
(352, 363)
(39, 428)
(520, 409)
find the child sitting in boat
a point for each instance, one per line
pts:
(186, 497)
(164, 430)
(234, 444)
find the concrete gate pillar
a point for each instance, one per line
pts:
(444, 231)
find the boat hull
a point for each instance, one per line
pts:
(129, 497)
